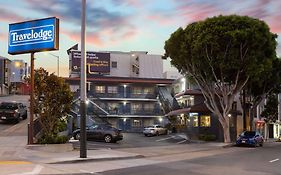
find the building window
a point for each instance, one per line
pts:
(195, 121)
(148, 107)
(114, 64)
(136, 106)
(112, 89)
(205, 121)
(100, 89)
(148, 90)
(137, 123)
(136, 90)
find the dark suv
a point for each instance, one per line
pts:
(103, 132)
(12, 111)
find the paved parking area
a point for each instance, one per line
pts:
(132, 140)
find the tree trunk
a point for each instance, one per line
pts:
(226, 131)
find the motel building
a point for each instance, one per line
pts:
(122, 88)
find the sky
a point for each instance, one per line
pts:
(124, 25)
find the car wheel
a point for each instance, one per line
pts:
(77, 136)
(145, 134)
(17, 120)
(261, 144)
(108, 138)
(24, 116)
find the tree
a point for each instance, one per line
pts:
(270, 112)
(53, 100)
(221, 54)
(258, 88)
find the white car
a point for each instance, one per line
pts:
(154, 130)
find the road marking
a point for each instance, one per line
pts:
(165, 139)
(181, 141)
(84, 171)
(14, 162)
(274, 160)
(35, 171)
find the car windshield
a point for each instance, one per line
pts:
(8, 106)
(249, 133)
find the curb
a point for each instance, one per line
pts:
(229, 145)
(52, 148)
(97, 159)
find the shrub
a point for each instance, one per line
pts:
(207, 137)
(51, 139)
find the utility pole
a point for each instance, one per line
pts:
(83, 137)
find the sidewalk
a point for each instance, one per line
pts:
(15, 148)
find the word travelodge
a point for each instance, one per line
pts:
(29, 35)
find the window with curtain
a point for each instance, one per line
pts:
(205, 121)
(100, 89)
(112, 89)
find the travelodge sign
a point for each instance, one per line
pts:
(34, 36)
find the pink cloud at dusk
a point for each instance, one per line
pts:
(9, 16)
(267, 10)
(129, 34)
(92, 39)
(163, 20)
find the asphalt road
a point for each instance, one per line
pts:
(12, 129)
(132, 140)
(244, 161)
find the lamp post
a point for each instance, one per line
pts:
(83, 138)
(58, 64)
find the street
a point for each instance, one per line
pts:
(244, 161)
(165, 154)
(11, 129)
(132, 140)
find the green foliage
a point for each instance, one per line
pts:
(53, 100)
(52, 139)
(226, 44)
(207, 137)
(221, 54)
(270, 112)
(268, 82)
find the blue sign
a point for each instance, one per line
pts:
(34, 36)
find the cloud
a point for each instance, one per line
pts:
(131, 3)
(163, 18)
(103, 25)
(8, 16)
(92, 38)
(3, 37)
(97, 17)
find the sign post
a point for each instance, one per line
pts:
(31, 123)
(83, 138)
(31, 37)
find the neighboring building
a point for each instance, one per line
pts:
(5, 73)
(19, 71)
(193, 116)
(269, 130)
(122, 87)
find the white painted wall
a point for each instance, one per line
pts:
(151, 66)
(123, 64)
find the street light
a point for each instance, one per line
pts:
(58, 62)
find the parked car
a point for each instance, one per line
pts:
(154, 130)
(103, 132)
(12, 111)
(251, 138)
